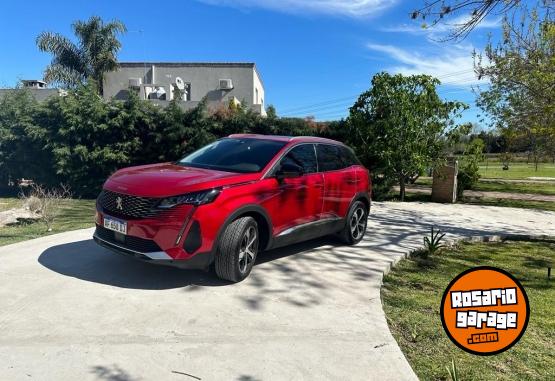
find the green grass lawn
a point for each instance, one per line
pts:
(412, 293)
(9, 203)
(75, 214)
(494, 170)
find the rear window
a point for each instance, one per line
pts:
(234, 155)
(349, 156)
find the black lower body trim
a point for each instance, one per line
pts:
(308, 231)
(200, 261)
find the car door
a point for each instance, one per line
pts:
(298, 200)
(340, 179)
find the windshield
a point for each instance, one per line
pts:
(234, 155)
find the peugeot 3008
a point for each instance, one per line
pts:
(230, 200)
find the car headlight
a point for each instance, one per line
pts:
(196, 198)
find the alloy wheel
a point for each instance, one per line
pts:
(248, 249)
(358, 223)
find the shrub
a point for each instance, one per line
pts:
(469, 166)
(33, 204)
(81, 138)
(48, 202)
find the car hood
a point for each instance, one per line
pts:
(168, 179)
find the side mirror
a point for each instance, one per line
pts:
(289, 171)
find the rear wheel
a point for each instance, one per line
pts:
(355, 226)
(237, 249)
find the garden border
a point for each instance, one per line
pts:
(478, 239)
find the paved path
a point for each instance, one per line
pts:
(70, 310)
(481, 194)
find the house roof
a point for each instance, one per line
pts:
(188, 64)
(33, 81)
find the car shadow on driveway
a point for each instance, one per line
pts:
(87, 261)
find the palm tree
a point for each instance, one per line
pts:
(94, 54)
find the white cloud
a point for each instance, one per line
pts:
(452, 65)
(351, 8)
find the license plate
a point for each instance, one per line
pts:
(115, 225)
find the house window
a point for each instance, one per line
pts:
(256, 92)
(155, 92)
(185, 92)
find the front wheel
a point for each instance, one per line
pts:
(237, 249)
(355, 225)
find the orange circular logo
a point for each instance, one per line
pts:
(485, 310)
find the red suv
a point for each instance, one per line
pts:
(233, 198)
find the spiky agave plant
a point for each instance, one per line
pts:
(432, 244)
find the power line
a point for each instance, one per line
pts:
(321, 103)
(327, 107)
(340, 102)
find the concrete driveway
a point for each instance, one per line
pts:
(70, 310)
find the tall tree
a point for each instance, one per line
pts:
(521, 69)
(94, 53)
(399, 125)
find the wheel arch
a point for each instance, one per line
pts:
(261, 217)
(364, 198)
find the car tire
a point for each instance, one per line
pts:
(237, 250)
(355, 224)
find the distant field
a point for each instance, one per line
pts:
(494, 170)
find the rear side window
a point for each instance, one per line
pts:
(333, 157)
(303, 156)
(349, 157)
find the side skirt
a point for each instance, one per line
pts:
(307, 232)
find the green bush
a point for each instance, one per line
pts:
(80, 139)
(469, 166)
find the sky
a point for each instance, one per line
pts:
(315, 56)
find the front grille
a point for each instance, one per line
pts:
(129, 242)
(131, 206)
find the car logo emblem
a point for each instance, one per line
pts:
(119, 203)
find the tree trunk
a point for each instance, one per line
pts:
(402, 187)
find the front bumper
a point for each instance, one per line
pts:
(147, 250)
